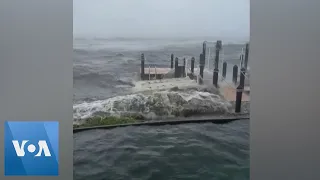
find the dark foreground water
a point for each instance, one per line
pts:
(191, 151)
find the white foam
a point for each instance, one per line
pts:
(160, 103)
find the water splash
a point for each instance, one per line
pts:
(154, 105)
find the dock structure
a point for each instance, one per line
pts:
(163, 84)
(178, 74)
(156, 71)
(230, 93)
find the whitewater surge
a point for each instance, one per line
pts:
(155, 105)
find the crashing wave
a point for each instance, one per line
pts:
(167, 103)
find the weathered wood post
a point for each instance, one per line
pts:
(246, 57)
(176, 68)
(216, 63)
(192, 64)
(172, 57)
(241, 60)
(184, 68)
(240, 90)
(204, 49)
(202, 61)
(149, 73)
(201, 65)
(235, 74)
(142, 67)
(224, 70)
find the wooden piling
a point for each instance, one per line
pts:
(202, 63)
(242, 76)
(241, 64)
(216, 63)
(142, 67)
(172, 58)
(235, 74)
(224, 70)
(204, 48)
(246, 57)
(176, 68)
(240, 90)
(241, 60)
(184, 68)
(149, 73)
(192, 64)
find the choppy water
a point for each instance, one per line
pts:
(104, 72)
(193, 151)
(108, 68)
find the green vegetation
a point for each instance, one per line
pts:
(111, 120)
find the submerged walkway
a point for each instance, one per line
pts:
(229, 93)
(163, 84)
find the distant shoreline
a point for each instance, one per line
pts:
(225, 40)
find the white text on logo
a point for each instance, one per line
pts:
(42, 144)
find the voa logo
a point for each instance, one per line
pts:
(31, 148)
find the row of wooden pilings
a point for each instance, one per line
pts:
(180, 70)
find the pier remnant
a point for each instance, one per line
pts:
(202, 61)
(184, 68)
(142, 66)
(192, 64)
(224, 70)
(201, 65)
(176, 68)
(172, 57)
(241, 58)
(240, 90)
(204, 48)
(246, 56)
(235, 74)
(149, 72)
(216, 63)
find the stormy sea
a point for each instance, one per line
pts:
(105, 72)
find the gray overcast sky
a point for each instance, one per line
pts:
(161, 18)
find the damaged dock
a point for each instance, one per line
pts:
(156, 77)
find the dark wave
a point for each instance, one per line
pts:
(198, 151)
